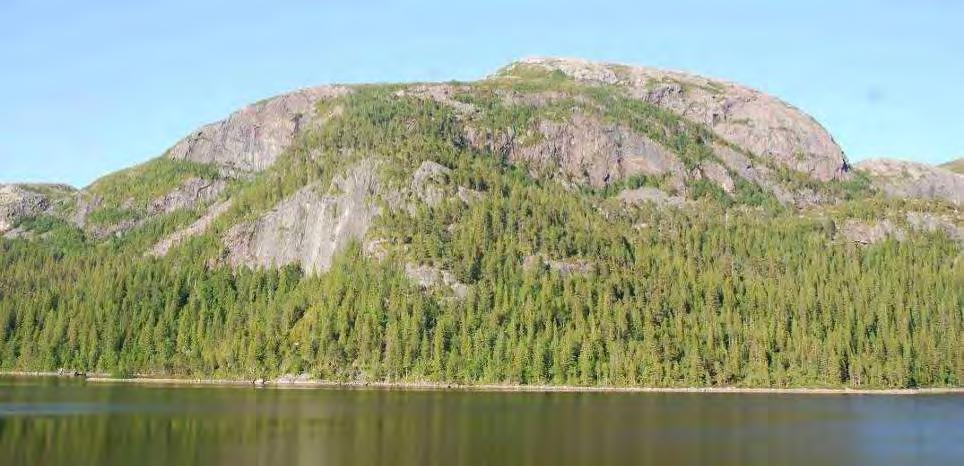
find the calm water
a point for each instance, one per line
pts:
(58, 422)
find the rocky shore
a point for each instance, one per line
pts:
(306, 382)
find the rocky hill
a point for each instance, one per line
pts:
(584, 124)
(956, 166)
(906, 179)
(630, 190)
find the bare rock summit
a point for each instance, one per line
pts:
(760, 123)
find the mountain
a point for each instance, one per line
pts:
(560, 221)
(956, 166)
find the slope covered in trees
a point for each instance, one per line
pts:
(566, 282)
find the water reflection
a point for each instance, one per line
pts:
(57, 422)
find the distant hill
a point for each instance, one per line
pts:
(558, 222)
(956, 166)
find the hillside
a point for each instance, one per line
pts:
(560, 222)
(956, 166)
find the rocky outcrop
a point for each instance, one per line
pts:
(587, 151)
(745, 117)
(753, 172)
(905, 179)
(929, 222)
(252, 138)
(584, 149)
(441, 93)
(198, 227)
(429, 181)
(377, 248)
(427, 277)
(717, 174)
(650, 194)
(21, 201)
(468, 196)
(431, 184)
(17, 203)
(85, 204)
(309, 228)
(870, 232)
(565, 268)
(190, 194)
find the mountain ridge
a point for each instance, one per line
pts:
(250, 139)
(557, 222)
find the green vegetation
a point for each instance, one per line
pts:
(709, 296)
(149, 180)
(126, 194)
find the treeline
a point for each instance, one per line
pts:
(704, 295)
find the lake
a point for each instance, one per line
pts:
(69, 422)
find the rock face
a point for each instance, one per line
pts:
(17, 203)
(252, 138)
(20, 201)
(752, 172)
(85, 206)
(748, 118)
(441, 93)
(586, 150)
(427, 276)
(428, 182)
(309, 227)
(591, 152)
(862, 232)
(717, 174)
(190, 194)
(598, 154)
(870, 232)
(904, 179)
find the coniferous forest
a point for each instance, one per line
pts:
(730, 289)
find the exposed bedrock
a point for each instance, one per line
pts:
(252, 138)
(22, 201)
(310, 227)
(906, 179)
(748, 118)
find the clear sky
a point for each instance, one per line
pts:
(89, 87)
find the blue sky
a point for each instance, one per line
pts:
(91, 87)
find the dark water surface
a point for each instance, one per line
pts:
(63, 422)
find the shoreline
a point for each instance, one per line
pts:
(303, 383)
